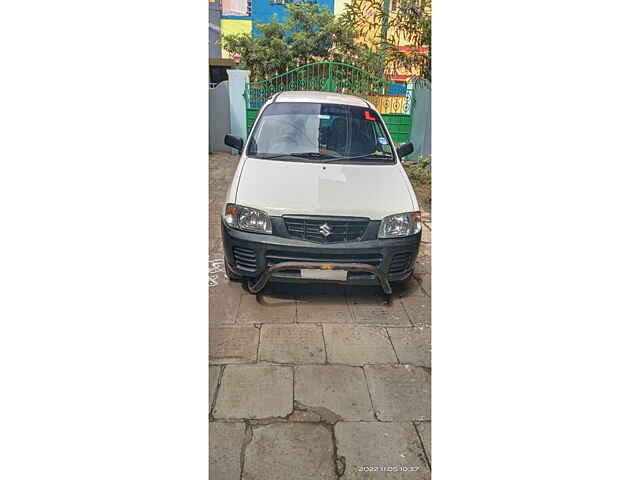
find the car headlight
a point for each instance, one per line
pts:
(245, 218)
(400, 225)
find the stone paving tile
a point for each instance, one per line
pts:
(224, 302)
(280, 290)
(422, 267)
(358, 345)
(399, 392)
(426, 235)
(323, 303)
(255, 391)
(218, 208)
(225, 450)
(216, 251)
(324, 310)
(412, 344)
(419, 309)
(425, 249)
(272, 308)
(290, 451)
(407, 289)
(291, 344)
(423, 260)
(338, 388)
(423, 276)
(376, 444)
(221, 170)
(216, 230)
(214, 375)
(235, 345)
(424, 429)
(369, 307)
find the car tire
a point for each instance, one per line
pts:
(230, 275)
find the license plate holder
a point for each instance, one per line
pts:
(317, 274)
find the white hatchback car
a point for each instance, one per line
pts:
(320, 195)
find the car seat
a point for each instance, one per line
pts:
(337, 137)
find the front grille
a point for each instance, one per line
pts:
(335, 229)
(400, 262)
(245, 259)
(274, 257)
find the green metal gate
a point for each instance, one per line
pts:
(393, 100)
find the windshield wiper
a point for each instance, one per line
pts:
(323, 156)
(386, 156)
(297, 154)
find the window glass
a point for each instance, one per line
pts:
(320, 131)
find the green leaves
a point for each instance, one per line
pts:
(310, 33)
(409, 26)
(266, 54)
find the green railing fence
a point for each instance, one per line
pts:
(393, 100)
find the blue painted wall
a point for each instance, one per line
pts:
(263, 10)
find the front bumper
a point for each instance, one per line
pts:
(260, 258)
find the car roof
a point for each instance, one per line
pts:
(320, 97)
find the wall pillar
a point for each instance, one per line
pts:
(238, 80)
(421, 119)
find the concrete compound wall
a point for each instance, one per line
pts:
(228, 110)
(237, 106)
(421, 119)
(218, 117)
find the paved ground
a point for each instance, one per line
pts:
(316, 382)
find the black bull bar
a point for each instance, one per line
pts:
(261, 281)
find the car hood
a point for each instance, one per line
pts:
(300, 188)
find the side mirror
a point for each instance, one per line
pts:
(236, 142)
(405, 149)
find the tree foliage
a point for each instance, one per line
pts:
(309, 33)
(409, 25)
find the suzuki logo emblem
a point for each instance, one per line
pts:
(325, 230)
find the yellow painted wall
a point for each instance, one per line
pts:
(230, 26)
(368, 11)
(338, 6)
(373, 35)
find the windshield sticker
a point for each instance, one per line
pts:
(368, 116)
(382, 141)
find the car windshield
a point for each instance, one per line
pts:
(320, 132)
